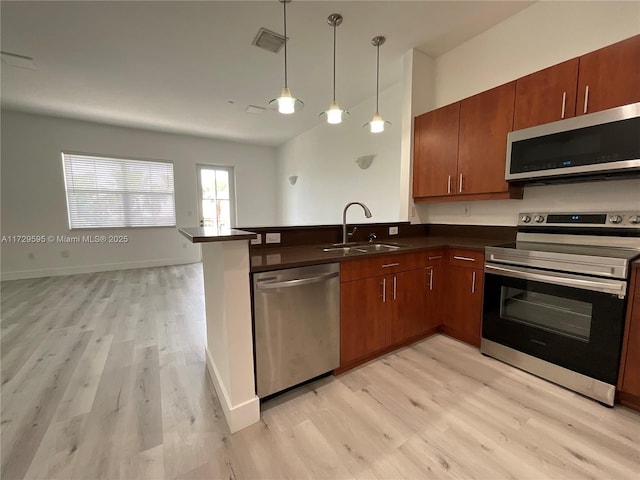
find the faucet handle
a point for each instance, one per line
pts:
(372, 237)
(350, 234)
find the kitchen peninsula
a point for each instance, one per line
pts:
(229, 346)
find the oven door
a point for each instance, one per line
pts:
(569, 320)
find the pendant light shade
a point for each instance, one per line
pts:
(334, 114)
(377, 124)
(286, 103)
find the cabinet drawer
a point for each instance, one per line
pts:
(465, 258)
(433, 257)
(357, 269)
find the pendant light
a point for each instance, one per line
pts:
(334, 114)
(285, 103)
(377, 124)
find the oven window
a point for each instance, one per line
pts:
(564, 316)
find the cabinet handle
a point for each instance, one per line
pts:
(460, 183)
(384, 290)
(466, 259)
(431, 279)
(564, 103)
(394, 287)
(449, 184)
(387, 265)
(473, 283)
(436, 257)
(586, 98)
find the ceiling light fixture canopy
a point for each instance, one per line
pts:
(334, 114)
(285, 103)
(377, 124)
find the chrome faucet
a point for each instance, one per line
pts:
(367, 213)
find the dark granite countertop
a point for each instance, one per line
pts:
(212, 234)
(286, 257)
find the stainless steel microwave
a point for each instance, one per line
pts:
(598, 144)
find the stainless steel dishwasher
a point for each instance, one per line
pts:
(297, 325)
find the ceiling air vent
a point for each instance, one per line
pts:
(268, 40)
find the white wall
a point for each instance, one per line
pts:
(33, 195)
(324, 159)
(540, 36)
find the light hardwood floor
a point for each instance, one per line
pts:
(103, 376)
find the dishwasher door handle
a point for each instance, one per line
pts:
(296, 282)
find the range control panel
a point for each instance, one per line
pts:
(559, 219)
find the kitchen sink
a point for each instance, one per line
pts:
(352, 248)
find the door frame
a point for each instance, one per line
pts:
(232, 190)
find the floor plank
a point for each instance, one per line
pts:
(103, 376)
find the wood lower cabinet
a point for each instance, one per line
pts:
(363, 317)
(546, 96)
(406, 306)
(629, 378)
(433, 289)
(462, 302)
(609, 77)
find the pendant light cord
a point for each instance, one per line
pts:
(377, 75)
(334, 62)
(284, 6)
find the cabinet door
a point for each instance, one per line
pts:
(405, 315)
(485, 120)
(363, 310)
(609, 77)
(463, 304)
(435, 154)
(433, 284)
(547, 95)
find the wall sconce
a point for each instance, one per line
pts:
(293, 179)
(365, 161)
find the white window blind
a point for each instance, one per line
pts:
(110, 192)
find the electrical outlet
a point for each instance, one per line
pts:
(466, 210)
(272, 238)
(393, 230)
(257, 240)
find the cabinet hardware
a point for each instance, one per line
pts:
(473, 283)
(466, 259)
(586, 98)
(449, 184)
(460, 183)
(564, 102)
(394, 287)
(387, 265)
(384, 290)
(436, 257)
(431, 279)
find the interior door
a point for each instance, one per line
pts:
(216, 197)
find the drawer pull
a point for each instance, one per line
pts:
(387, 265)
(466, 259)
(436, 257)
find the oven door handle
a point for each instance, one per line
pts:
(614, 287)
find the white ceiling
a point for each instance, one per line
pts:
(173, 66)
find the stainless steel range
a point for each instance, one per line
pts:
(555, 300)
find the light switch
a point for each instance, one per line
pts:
(393, 230)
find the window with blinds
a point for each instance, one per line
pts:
(113, 192)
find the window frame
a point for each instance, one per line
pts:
(118, 159)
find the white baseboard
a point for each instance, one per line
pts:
(105, 267)
(237, 416)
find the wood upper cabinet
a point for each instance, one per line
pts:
(546, 96)
(435, 160)
(485, 120)
(363, 313)
(609, 77)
